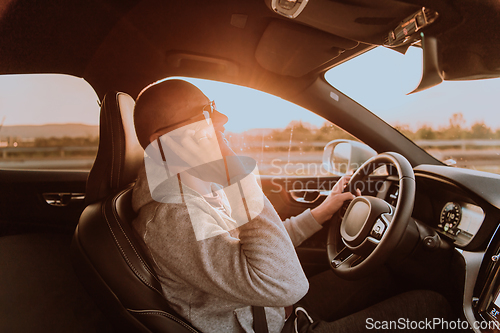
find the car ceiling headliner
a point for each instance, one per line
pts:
(126, 44)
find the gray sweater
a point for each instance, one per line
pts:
(212, 282)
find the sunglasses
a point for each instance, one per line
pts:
(207, 112)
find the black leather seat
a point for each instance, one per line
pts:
(105, 252)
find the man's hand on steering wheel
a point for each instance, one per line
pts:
(333, 201)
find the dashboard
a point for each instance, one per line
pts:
(463, 207)
(462, 212)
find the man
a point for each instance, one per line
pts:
(217, 243)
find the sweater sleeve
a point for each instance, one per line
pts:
(301, 227)
(259, 267)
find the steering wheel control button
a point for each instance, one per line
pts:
(378, 229)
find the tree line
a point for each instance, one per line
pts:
(67, 142)
(455, 130)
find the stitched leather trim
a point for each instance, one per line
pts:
(115, 213)
(123, 252)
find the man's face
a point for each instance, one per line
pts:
(218, 120)
(187, 113)
(194, 124)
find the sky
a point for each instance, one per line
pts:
(47, 99)
(247, 108)
(379, 80)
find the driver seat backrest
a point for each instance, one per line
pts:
(106, 255)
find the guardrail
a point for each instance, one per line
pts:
(461, 144)
(58, 151)
(256, 144)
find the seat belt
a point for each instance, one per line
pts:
(259, 319)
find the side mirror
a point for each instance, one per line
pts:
(342, 157)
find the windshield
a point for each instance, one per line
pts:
(457, 121)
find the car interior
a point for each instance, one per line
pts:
(69, 260)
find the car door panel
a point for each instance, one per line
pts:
(39, 211)
(290, 196)
(37, 201)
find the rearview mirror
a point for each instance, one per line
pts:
(342, 157)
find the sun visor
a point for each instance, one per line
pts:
(295, 50)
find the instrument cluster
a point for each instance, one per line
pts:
(460, 221)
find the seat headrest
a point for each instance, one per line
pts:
(119, 155)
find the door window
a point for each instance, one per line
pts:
(47, 121)
(284, 139)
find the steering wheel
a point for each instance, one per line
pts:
(371, 228)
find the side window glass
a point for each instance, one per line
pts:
(293, 150)
(284, 139)
(47, 121)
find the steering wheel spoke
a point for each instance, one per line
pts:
(342, 256)
(347, 259)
